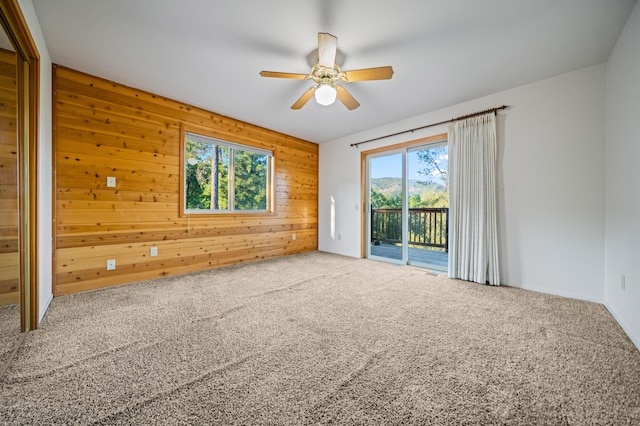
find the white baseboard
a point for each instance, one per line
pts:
(623, 325)
(634, 339)
(43, 312)
(560, 293)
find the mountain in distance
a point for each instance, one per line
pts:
(392, 186)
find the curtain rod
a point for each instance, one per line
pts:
(434, 124)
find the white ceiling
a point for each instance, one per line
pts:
(208, 53)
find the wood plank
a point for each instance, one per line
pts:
(8, 153)
(97, 279)
(10, 298)
(96, 255)
(105, 129)
(84, 84)
(83, 217)
(160, 235)
(76, 100)
(9, 245)
(160, 136)
(91, 115)
(120, 216)
(67, 134)
(66, 158)
(101, 171)
(106, 207)
(108, 194)
(116, 153)
(9, 286)
(10, 266)
(92, 180)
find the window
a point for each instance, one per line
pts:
(222, 177)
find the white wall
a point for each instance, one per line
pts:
(550, 188)
(622, 240)
(44, 162)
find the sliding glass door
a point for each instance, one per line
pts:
(386, 201)
(408, 206)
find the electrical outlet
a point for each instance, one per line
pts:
(153, 251)
(111, 264)
(111, 182)
(293, 237)
(623, 282)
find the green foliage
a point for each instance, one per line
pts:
(250, 180)
(207, 169)
(430, 192)
(198, 175)
(381, 201)
(420, 194)
(430, 199)
(195, 197)
(432, 169)
(426, 199)
(425, 227)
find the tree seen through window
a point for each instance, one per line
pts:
(221, 176)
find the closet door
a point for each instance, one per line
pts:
(19, 99)
(11, 260)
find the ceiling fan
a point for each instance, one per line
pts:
(327, 76)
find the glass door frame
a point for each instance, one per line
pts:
(365, 221)
(405, 206)
(430, 145)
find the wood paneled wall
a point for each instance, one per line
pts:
(9, 251)
(102, 129)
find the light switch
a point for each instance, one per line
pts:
(111, 182)
(153, 251)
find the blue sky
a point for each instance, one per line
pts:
(391, 166)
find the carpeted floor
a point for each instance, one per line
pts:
(322, 339)
(10, 335)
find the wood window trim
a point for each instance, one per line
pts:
(271, 204)
(442, 137)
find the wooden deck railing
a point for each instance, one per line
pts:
(427, 227)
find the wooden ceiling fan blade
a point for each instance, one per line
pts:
(378, 73)
(304, 98)
(327, 47)
(346, 98)
(277, 74)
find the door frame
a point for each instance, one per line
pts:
(442, 137)
(367, 205)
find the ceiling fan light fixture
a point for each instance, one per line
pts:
(325, 94)
(328, 77)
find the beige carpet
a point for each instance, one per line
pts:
(10, 335)
(322, 339)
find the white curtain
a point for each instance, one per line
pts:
(473, 235)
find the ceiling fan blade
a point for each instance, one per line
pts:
(346, 98)
(327, 46)
(379, 73)
(277, 74)
(304, 98)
